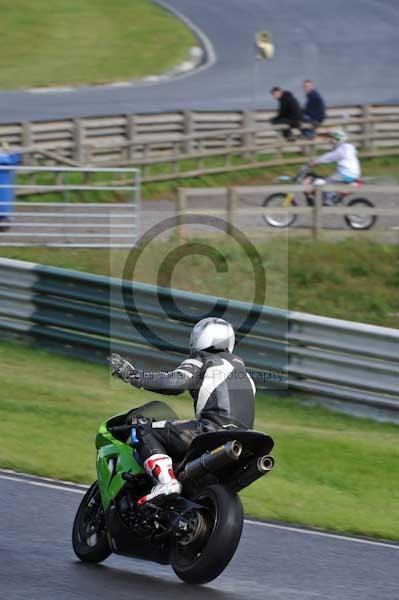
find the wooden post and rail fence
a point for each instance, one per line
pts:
(189, 144)
(245, 208)
(232, 210)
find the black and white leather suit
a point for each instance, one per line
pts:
(223, 394)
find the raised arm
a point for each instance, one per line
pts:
(171, 382)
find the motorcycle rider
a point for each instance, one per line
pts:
(345, 155)
(222, 390)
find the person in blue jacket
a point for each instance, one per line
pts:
(7, 193)
(314, 111)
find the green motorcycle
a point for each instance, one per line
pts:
(196, 532)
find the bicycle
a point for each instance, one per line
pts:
(306, 176)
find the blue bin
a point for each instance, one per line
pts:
(7, 177)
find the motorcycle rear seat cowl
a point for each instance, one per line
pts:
(254, 441)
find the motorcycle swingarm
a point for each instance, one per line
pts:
(177, 503)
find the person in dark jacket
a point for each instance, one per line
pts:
(222, 390)
(289, 111)
(314, 111)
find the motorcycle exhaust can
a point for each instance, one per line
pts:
(255, 469)
(265, 463)
(212, 462)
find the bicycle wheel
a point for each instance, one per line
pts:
(279, 201)
(360, 222)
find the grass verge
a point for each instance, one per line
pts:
(333, 471)
(355, 279)
(87, 41)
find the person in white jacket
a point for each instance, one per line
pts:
(345, 156)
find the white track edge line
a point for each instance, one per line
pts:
(210, 52)
(41, 478)
(42, 484)
(323, 534)
(23, 478)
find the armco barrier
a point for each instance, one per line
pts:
(84, 314)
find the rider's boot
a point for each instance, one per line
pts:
(160, 468)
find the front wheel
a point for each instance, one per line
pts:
(207, 550)
(89, 534)
(280, 200)
(360, 221)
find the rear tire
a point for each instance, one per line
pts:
(89, 534)
(205, 558)
(277, 201)
(361, 222)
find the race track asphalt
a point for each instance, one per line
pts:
(272, 562)
(349, 48)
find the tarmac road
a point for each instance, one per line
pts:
(349, 48)
(155, 212)
(272, 562)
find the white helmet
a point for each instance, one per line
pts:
(212, 334)
(338, 135)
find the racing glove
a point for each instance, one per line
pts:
(120, 367)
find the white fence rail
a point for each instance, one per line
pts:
(71, 223)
